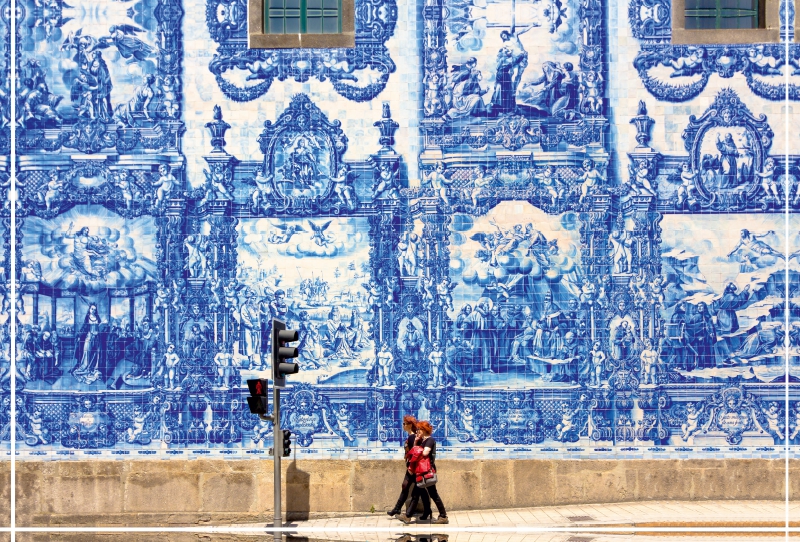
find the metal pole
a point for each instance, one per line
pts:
(277, 453)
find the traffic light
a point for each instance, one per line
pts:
(258, 400)
(280, 336)
(287, 443)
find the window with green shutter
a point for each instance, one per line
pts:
(303, 16)
(722, 14)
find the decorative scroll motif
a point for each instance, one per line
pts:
(128, 193)
(690, 67)
(733, 412)
(555, 189)
(650, 20)
(518, 422)
(727, 168)
(90, 425)
(762, 65)
(303, 171)
(348, 70)
(734, 180)
(655, 426)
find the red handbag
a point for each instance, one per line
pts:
(425, 475)
(422, 467)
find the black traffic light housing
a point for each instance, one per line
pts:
(281, 335)
(258, 396)
(287, 443)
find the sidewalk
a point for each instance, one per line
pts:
(744, 520)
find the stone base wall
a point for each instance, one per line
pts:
(211, 492)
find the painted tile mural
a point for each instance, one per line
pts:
(475, 216)
(5, 225)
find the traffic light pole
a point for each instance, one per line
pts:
(277, 453)
(280, 352)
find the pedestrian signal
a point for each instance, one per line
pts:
(258, 396)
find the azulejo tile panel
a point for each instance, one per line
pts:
(679, 73)
(537, 288)
(357, 74)
(5, 215)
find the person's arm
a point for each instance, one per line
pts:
(737, 247)
(427, 449)
(538, 81)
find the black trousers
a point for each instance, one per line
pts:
(408, 484)
(427, 494)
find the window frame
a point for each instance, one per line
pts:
(258, 39)
(718, 12)
(770, 33)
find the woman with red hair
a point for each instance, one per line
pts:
(428, 445)
(410, 427)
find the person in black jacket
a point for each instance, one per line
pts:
(410, 427)
(428, 444)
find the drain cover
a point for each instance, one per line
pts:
(580, 518)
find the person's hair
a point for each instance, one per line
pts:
(411, 420)
(426, 427)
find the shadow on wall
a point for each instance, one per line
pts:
(298, 493)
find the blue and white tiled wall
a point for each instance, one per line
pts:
(535, 223)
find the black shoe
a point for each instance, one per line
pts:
(393, 512)
(425, 517)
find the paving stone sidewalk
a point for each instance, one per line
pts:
(645, 513)
(586, 523)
